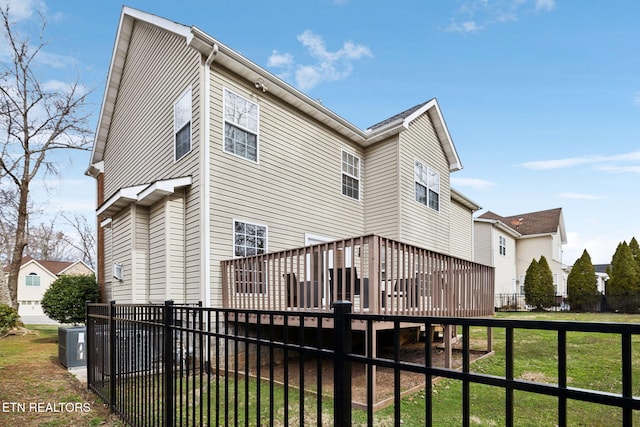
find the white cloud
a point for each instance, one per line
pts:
(580, 196)
(601, 248)
(476, 15)
(476, 183)
(279, 59)
(327, 66)
(464, 27)
(636, 100)
(545, 5)
(603, 163)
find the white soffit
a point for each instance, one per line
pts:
(145, 195)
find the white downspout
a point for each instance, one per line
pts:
(206, 181)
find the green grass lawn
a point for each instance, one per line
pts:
(593, 363)
(29, 372)
(31, 375)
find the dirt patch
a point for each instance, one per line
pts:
(385, 377)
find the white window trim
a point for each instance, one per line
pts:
(233, 233)
(175, 131)
(224, 106)
(359, 177)
(266, 250)
(429, 168)
(32, 276)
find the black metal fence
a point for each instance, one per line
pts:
(169, 365)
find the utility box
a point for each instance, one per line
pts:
(72, 346)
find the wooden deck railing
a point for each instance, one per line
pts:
(379, 276)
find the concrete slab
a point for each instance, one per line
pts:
(80, 373)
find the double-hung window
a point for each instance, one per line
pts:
(182, 125)
(350, 175)
(502, 245)
(240, 126)
(248, 240)
(427, 186)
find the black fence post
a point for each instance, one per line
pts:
(90, 343)
(341, 365)
(112, 355)
(168, 364)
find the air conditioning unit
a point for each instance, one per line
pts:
(118, 270)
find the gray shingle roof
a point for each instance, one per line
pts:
(399, 116)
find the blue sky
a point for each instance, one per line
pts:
(541, 97)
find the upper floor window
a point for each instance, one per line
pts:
(249, 239)
(427, 183)
(240, 126)
(182, 124)
(350, 175)
(502, 245)
(32, 279)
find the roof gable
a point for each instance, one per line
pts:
(533, 223)
(217, 52)
(403, 120)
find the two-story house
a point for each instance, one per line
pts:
(36, 276)
(510, 244)
(202, 156)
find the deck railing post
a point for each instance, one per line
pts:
(341, 365)
(168, 400)
(112, 356)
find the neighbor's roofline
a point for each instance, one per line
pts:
(229, 58)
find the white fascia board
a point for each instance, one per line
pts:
(499, 224)
(146, 194)
(159, 189)
(250, 71)
(124, 195)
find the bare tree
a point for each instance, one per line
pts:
(86, 239)
(47, 242)
(36, 121)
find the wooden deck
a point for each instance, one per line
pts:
(378, 275)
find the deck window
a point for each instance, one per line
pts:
(240, 126)
(350, 175)
(427, 186)
(182, 124)
(32, 280)
(248, 240)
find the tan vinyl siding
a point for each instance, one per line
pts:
(108, 265)
(158, 263)
(140, 255)
(176, 250)
(461, 231)
(382, 202)
(482, 243)
(295, 187)
(421, 225)
(121, 254)
(140, 146)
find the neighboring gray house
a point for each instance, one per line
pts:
(510, 244)
(201, 156)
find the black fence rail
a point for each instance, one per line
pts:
(169, 365)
